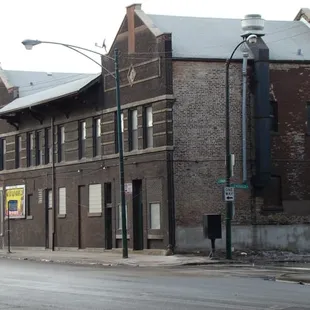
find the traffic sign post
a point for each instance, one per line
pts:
(229, 194)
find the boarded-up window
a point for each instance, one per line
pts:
(62, 201)
(120, 216)
(154, 215)
(50, 199)
(95, 198)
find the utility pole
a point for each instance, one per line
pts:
(121, 155)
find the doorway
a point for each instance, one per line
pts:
(49, 219)
(137, 215)
(108, 216)
(81, 215)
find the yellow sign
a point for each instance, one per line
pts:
(15, 201)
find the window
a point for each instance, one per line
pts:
(48, 149)
(95, 198)
(273, 194)
(38, 148)
(116, 132)
(133, 130)
(82, 139)
(108, 193)
(30, 150)
(61, 143)
(274, 116)
(148, 127)
(308, 117)
(18, 148)
(154, 216)
(2, 153)
(97, 137)
(62, 205)
(120, 216)
(29, 205)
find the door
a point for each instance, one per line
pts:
(49, 219)
(108, 215)
(82, 213)
(137, 216)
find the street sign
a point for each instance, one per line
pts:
(229, 194)
(241, 186)
(221, 181)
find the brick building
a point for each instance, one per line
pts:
(172, 73)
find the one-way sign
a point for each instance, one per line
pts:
(229, 194)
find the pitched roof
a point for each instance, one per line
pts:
(50, 94)
(31, 82)
(215, 38)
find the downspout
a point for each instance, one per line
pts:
(244, 116)
(53, 181)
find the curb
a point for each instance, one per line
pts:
(293, 278)
(105, 264)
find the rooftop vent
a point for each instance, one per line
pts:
(253, 24)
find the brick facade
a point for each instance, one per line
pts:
(199, 140)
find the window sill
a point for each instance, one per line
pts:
(119, 236)
(62, 216)
(99, 214)
(29, 217)
(155, 237)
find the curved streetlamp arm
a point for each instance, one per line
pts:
(78, 47)
(93, 60)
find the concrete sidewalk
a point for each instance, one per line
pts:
(107, 258)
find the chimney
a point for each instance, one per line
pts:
(131, 26)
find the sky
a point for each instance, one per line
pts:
(85, 23)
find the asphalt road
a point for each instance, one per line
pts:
(30, 285)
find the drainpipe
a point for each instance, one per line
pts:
(244, 116)
(53, 181)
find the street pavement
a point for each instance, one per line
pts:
(34, 285)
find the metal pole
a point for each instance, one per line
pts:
(53, 182)
(229, 204)
(228, 167)
(9, 231)
(244, 117)
(121, 155)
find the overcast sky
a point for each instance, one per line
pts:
(84, 23)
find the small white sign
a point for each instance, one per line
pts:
(229, 194)
(128, 188)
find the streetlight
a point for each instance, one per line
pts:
(29, 44)
(252, 38)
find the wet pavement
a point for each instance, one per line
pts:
(34, 285)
